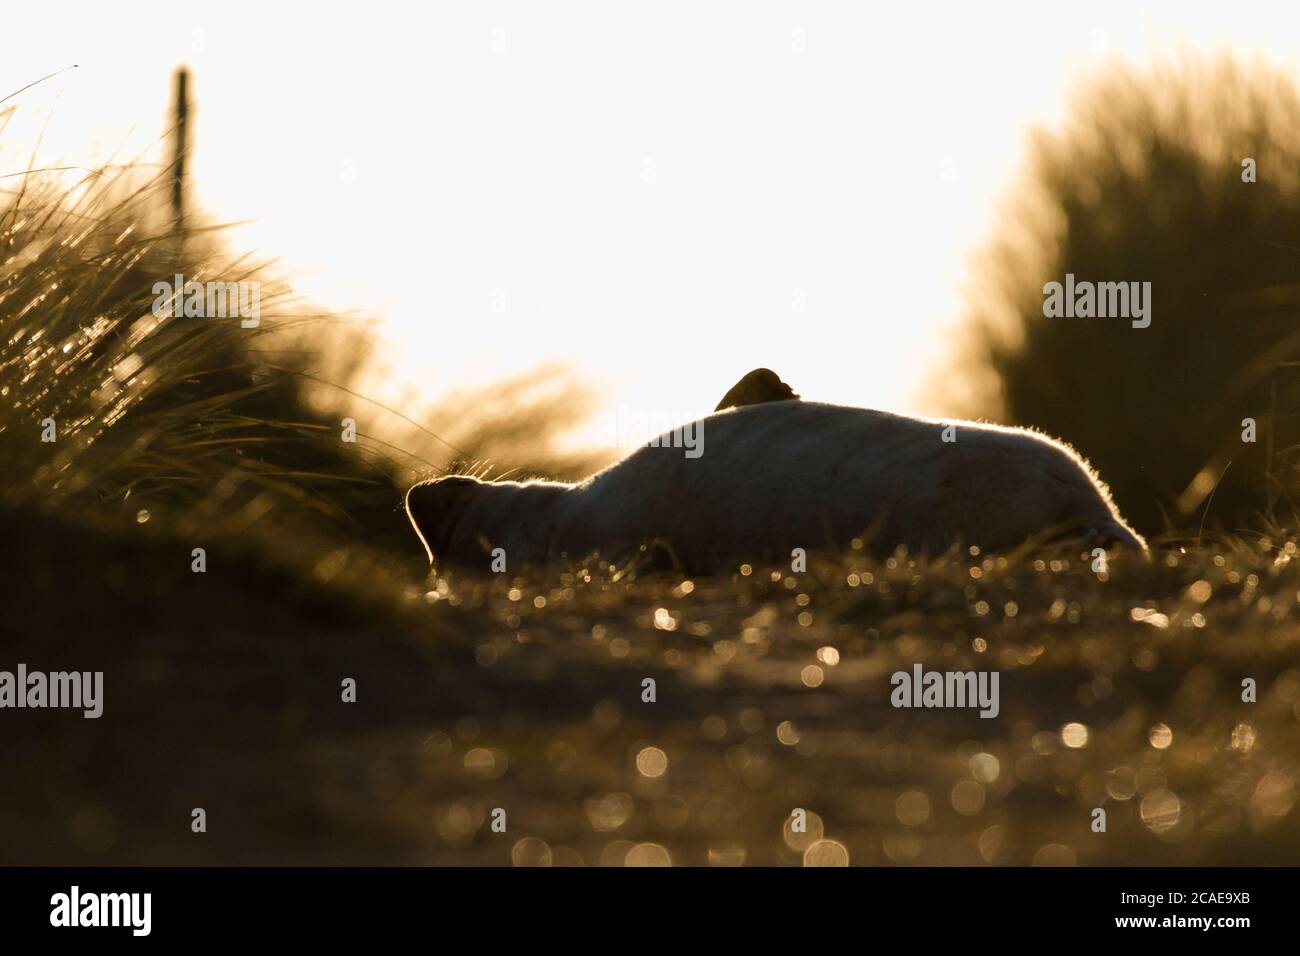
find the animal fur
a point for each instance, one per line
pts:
(781, 475)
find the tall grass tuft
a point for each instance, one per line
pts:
(157, 416)
(201, 421)
(1144, 183)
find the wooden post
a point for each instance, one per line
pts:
(180, 132)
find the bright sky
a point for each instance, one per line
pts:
(664, 194)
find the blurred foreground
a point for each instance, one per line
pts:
(772, 693)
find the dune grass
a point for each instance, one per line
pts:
(1183, 176)
(169, 416)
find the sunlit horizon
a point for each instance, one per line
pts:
(633, 209)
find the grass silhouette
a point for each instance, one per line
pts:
(1145, 181)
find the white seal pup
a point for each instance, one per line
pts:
(780, 475)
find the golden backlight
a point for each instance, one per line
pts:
(662, 208)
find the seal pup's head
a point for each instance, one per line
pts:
(461, 520)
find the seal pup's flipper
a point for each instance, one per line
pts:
(759, 386)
